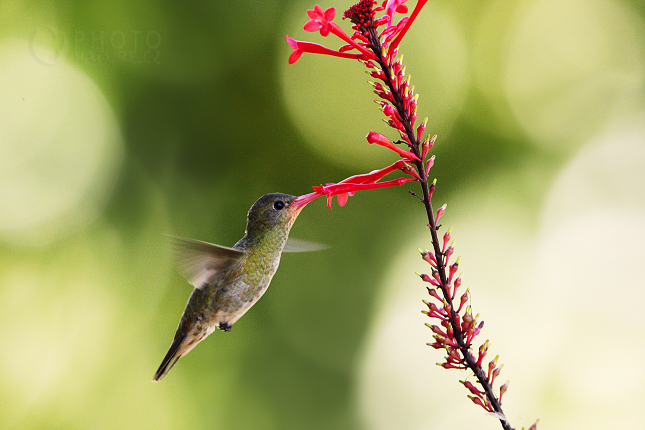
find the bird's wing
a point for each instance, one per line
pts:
(299, 245)
(201, 262)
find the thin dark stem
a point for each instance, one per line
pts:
(376, 47)
(412, 193)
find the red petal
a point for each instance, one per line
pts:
(319, 49)
(342, 199)
(330, 14)
(292, 42)
(347, 187)
(312, 25)
(295, 56)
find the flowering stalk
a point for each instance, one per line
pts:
(375, 43)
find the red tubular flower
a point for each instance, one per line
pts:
(346, 187)
(379, 139)
(374, 175)
(302, 47)
(349, 188)
(335, 189)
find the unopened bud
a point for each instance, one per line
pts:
(440, 213)
(502, 390)
(446, 237)
(420, 129)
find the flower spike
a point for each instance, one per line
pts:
(377, 48)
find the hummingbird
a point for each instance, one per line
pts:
(228, 281)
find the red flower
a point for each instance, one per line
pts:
(302, 47)
(320, 20)
(379, 139)
(347, 187)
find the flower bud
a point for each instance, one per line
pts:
(502, 390)
(420, 130)
(440, 213)
(429, 164)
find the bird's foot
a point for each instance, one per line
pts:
(225, 326)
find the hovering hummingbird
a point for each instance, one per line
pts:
(228, 281)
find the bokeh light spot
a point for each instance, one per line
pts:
(573, 67)
(60, 147)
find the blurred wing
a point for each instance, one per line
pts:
(201, 262)
(298, 245)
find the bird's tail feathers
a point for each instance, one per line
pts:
(172, 356)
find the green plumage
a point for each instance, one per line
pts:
(228, 281)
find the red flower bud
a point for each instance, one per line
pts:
(449, 252)
(434, 293)
(440, 213)
(429, 165)
(453, 269)
(463, 300)
(431, 189)
(420, 130)
(483, 349)
(430, 258)
(477, 401)
(409, 170)
(502, 390)
(446, 238)
(471, 387)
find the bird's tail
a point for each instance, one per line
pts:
(172, 356)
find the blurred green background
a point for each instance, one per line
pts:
(121, 121)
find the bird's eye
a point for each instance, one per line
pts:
(279, 205)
